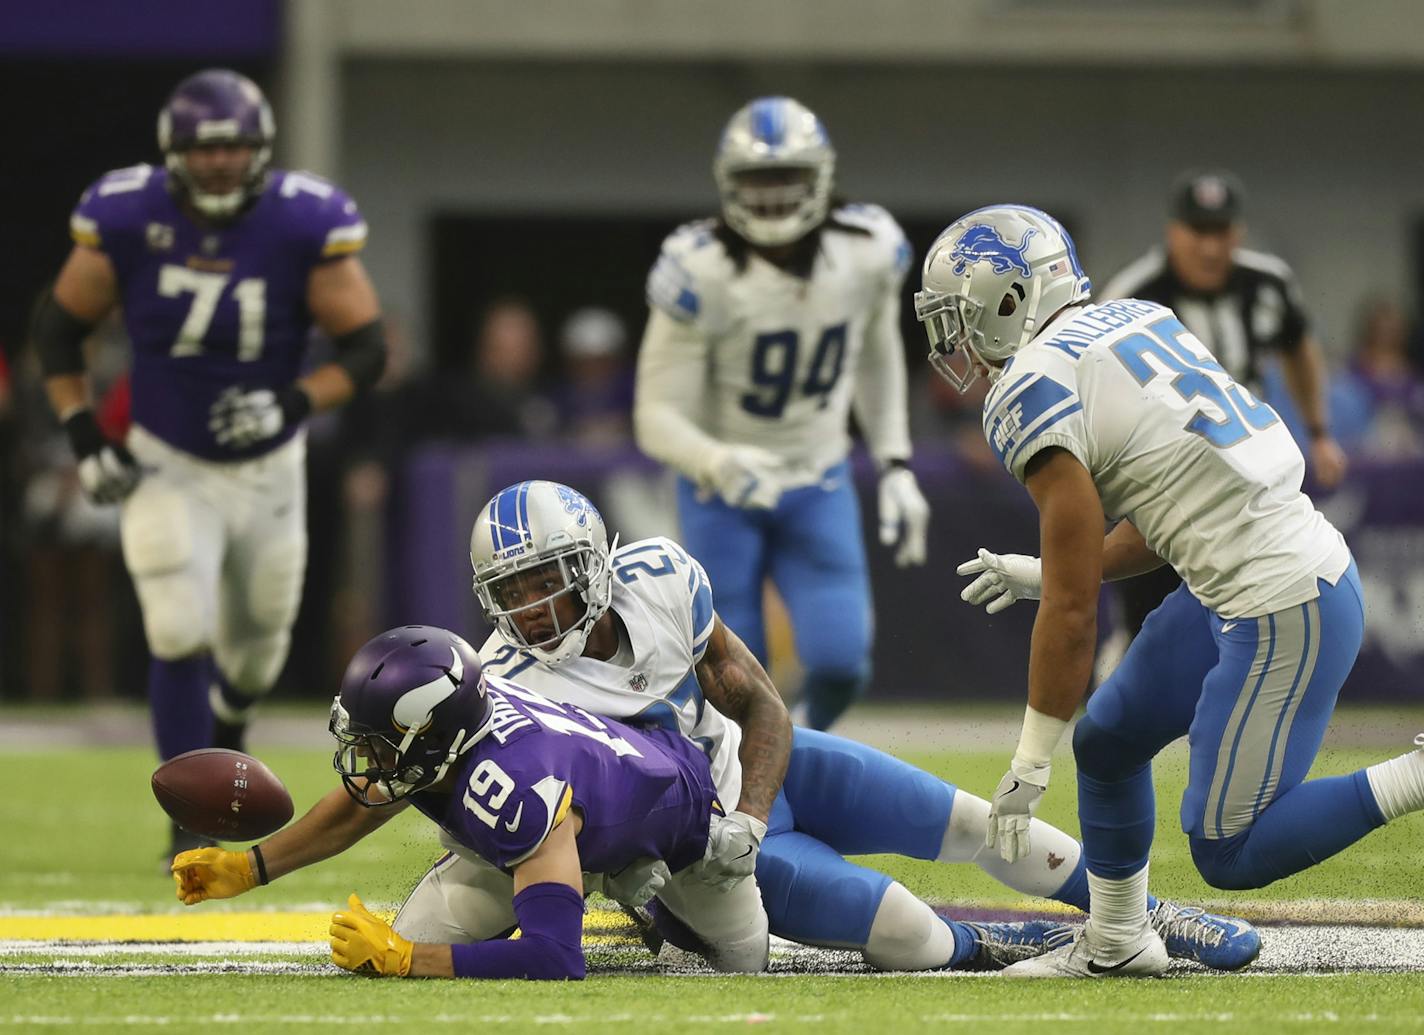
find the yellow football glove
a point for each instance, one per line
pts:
(205, 873)
(365, 944)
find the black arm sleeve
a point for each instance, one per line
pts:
(58, 336)
(362, 354)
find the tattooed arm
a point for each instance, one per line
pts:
(734, 682)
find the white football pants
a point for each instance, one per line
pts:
(217, 552)
(465, 899)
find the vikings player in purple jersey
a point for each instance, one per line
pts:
(537, 802)
(542, 791)
(220, 265)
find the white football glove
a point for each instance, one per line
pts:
(637, 883)
(1003, 579)
(732, 846)
(239, 419)
(108, 472)
(1012, 808)
(904, 515)
(746, 476)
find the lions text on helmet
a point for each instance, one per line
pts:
(992, 280)
(542, 574)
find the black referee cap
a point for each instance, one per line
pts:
(1207, 199)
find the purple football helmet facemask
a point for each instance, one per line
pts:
(216, 106)
(411, 703)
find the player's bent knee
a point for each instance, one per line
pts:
(252, 665)
(906, 934)
(1224, 864)
(175, 619)
(819, 904)
(749, 955)
(459, 900)
(156, 531)
(1102, 753)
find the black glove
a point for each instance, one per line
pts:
(107, 470)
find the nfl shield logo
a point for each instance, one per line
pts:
(638, 682)
(159, 237)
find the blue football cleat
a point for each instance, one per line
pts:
(999, 945)
(1218, 942)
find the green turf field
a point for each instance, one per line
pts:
(254, 1003)
(81, 837)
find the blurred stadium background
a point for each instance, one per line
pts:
(518, 163)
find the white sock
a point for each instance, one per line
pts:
(1398, 784)
(1119, 913)
(906, 934)
(1042, 872)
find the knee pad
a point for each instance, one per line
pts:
(1220, 863)
(907, 935)
(1102, 754)
(157, 539)
(827, 693)
(835, 650)
(817, 897)
(175, 615)
(156, 530)
(458, 900)
(274, 586)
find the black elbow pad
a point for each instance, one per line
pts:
(362, 354)
(59, 337)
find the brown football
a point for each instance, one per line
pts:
(222, 794)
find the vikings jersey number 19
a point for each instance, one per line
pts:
(664, 600)
(638, 794)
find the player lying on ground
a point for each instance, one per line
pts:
(630, 633)
(1117, 409)
(535, 792)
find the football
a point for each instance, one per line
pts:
(222, 794)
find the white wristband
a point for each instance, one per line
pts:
(1040, 736)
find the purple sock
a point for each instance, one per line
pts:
(178, 696)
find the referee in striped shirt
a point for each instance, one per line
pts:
(1241, 304)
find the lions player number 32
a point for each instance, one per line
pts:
(1197, 377)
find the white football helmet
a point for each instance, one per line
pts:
(533, 544)
(774, 169)
(991, 281)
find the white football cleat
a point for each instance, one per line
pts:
(1146, 957)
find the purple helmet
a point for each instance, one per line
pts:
(217, 106)
(411, 703)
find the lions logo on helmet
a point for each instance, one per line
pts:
(985, 297)
(774, 169)
(543, 568)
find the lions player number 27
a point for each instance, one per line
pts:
(207, 289)
(1196, 377)
(774, 369)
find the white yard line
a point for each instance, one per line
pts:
(1286, 951)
